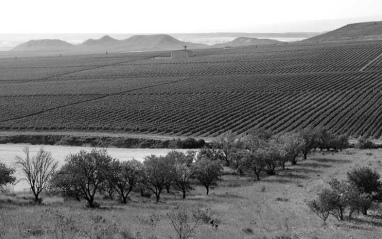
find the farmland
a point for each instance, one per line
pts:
(279, 87)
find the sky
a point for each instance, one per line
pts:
(178, 16)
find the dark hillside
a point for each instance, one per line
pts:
(356, 31)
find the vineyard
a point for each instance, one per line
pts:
(279, 87)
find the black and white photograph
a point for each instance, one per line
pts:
(201, 119)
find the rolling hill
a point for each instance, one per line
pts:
(356, 31)
(246, 41)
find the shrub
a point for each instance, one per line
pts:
(6, 175)
(365, 144)
(185, 221)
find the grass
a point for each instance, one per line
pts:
(274, 207)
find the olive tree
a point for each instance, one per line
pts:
(158, 174)
(253, 162)
(183, 170)
(368, 186)
(124, 176)
(207, 172)
(37, 171)
(228, 143)
(292, 144)
(85, 173)
(310, 141)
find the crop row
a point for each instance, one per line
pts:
(346, 103)
(284, 59)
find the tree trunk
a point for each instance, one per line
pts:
(305, 155)
(157, 196)
(168, 188)
(124, 199)
(364, 210)
(208, 190)
(36, 199)
(91, 202)
(294, 161)
(184, 194)
(111, 195)
(258, 176)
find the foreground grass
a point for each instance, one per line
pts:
(242, 207)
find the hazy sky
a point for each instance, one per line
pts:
(178, 16)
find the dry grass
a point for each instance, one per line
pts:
(244, 208)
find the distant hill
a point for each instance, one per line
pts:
(356, 31)
(44, 45)
(105, 40)
(106, 43)
(156, 42)
(246, 41)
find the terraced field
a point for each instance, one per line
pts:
(280, 87)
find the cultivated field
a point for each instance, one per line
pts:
(242, 207)
(280, 87)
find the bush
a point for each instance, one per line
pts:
(365, 144)
(185, 221)
(6, 175)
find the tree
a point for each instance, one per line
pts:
(368, 186)
(37, 170)
(158, 174)
(183, 170)
(337, 198)
(211, 153)
(365, 180)
(309, 137)
(292, 144)
(273, 155)
(182, 179)
(125, 176)
(86, 173)
(207, 172)
(6, 175)
(320, 208)
(228, 143)
(254, 162)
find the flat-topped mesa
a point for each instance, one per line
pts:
(44, 45)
